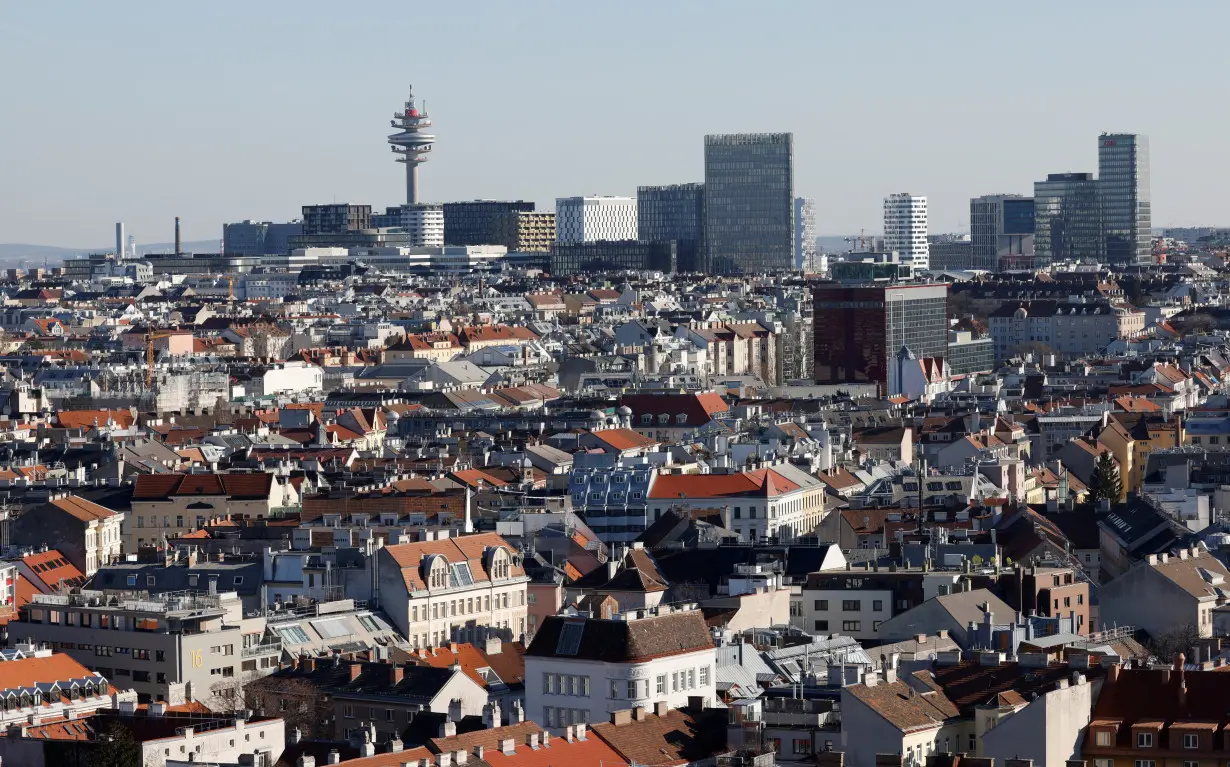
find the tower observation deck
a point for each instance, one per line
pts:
(411, 144)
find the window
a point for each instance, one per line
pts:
(851, 605)
(661, 684)
(1102, 738)
(822, 604)
(1191, 740)
(1191, 764)
(851, 626)
(1145, 763)
(821, 626)
(1144, 740)
(973, 744)
(132, 580)
(149, 580)
(388, 715)
(348, 712)
(877, 605)
(631, 688)
(704, 676)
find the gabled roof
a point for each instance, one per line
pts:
(467, 548)
(762, 483)
(624, 641)
(80, 508)
(679, 737)
(904, 707)
(161, 487)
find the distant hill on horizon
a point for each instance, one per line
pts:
(22, 254)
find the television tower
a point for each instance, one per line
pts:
(412, 144)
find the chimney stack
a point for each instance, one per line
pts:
(178, 248)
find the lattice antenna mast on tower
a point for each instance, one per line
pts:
(412, 144)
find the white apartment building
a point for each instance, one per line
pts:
(460, 589)
(905, 229)
(424, 224)
(591, 219)
(580, 669)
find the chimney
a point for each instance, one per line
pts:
(334, 757)
(158, 709)
(295, 735)
(581, 731)
(395, 745)
(444, 759)
(178, 245)
(396, 672)
(356, 668)
(460, 758)
(568, 734)
(307, 760)
(661, 708)
(640, 713)
(531, 740)
(491, 715)
(508, 746)
(448, 729)
(479, 752)
(309, 665)
(622, 716)
(516, 713)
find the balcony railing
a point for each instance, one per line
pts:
(266, 648)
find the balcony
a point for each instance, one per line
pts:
(263, 649)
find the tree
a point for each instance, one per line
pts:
(116, 748)
(1036, 350)
(1106, 484)
(1180, 639)
(300, 704)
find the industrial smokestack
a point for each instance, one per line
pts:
(120, 240)
(178, 249)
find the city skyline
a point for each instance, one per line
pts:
(244, 163)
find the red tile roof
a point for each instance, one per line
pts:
(467, 548)
(762, 483)
(80, 508)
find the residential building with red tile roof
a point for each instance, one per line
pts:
(170, 505)
(454, 589)
(781, 501)
(89, 535)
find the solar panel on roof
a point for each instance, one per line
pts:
(569, 639)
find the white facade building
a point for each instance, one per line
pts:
(804, 232)
(905, 228)
(424, 223)
(591, 219)
(292, 377)
(580, 669)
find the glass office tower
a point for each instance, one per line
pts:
(673, 212)
(1066, 222)
(1123, 193)
(749, 202)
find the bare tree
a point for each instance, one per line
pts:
(1180, 639)
(300, 704)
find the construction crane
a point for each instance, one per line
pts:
(149, 360)
(861, 239)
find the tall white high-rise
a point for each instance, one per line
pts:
(591, 219)
(905, 228)
(804, 232)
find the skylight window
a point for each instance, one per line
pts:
(570, 638)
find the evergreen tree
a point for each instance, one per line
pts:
(1107, 484)
(116, 748)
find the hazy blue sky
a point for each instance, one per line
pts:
(218, 111)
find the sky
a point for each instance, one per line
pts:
(138, 111)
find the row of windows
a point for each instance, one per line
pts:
(467, 606)
(850, 605)
(1191, 740)
(847, 626)
(566, 684)
(166, 521)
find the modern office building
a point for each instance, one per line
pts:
(749, 202)
(614, 255)
(967, 354)
(864, 327)
(423, 222)
(1124, 199)
(1066, 221)
(480, 222)
(905, 228)
(411, 144)
(674, 212)
(336, 218)
(804, 230)
(1001, 232)
(594, 219)
(951, 252)
(258, 238)
(523, 231)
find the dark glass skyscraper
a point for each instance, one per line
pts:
(674, 212)
(1066, 221)
(1001, 231)
(1123, 193)
(749, 202)
(480, 222)
(860, 329)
